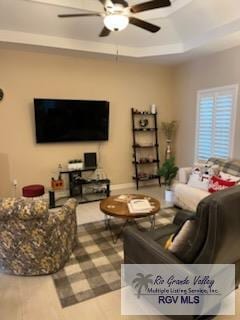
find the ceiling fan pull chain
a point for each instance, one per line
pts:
(117, 56)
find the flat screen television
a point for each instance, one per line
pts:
(71, 120)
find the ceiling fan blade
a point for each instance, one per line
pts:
(79, 15)
(105, 32)
(144, 25)
(155, 4)
(122, 2)
(103, 2)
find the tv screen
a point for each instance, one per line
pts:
(71, 120)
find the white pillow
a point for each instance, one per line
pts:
(205, 170)
(184, 238)
(195, 181)
(229, 177)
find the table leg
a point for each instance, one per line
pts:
(116, 236)
(107, 222)
(52, 203)
(152, 221)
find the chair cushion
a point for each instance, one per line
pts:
(187, 197)
(35, 190)
(162, 234)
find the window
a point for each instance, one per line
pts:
(216, 114)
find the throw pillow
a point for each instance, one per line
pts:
(228, 177)
(195, 181)
(206, 171)
(198, 168)
(182, 241)
(169, 241)
(210, 170)
(217, 184)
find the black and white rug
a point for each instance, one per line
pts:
(95, 265)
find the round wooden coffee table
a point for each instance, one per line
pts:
(117, 206)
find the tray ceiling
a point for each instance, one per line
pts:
(187, 26)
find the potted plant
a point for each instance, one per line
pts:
(168, 172)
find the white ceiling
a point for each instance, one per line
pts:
(188, 27)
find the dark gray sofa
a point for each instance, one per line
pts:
(217, 238)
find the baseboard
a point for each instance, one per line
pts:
(123, 186)
(132, 185)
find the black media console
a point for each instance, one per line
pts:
(81, 188)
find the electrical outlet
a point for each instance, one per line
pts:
(15, 182)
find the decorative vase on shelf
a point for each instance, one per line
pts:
(168, 151)
(153, 109)
(169, 129)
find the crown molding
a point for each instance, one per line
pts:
(87, 46)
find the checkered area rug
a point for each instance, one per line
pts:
(94, 267)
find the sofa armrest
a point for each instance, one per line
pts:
(182, 216)
(184, 174)
(62, 229)
(66, 211)
(140, 248)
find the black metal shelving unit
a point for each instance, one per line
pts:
(78, 188)
(152, 149)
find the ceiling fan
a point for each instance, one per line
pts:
(118, 14)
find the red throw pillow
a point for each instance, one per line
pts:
(217, 184)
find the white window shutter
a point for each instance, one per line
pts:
(204, 132)
(215, 123)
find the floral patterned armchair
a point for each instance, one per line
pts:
(34, 240)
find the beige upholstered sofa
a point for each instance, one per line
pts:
(33, 240)
(187, 197)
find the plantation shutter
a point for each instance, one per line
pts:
(215, 123)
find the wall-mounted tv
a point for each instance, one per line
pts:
(71, 120)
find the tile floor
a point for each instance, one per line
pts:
(35, 298)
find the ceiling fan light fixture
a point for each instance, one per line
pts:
(116, 22)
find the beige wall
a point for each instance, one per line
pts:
(216, 70)
(25, 75)
(5, 187)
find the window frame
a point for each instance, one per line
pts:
(216, 90)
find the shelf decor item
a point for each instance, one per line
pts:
(145, 154)
(143, 122)
(153, 108)
(57, 184)
(169, 129)
(1, 94)
(168, 172)
(75, 164)
(80, 187)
